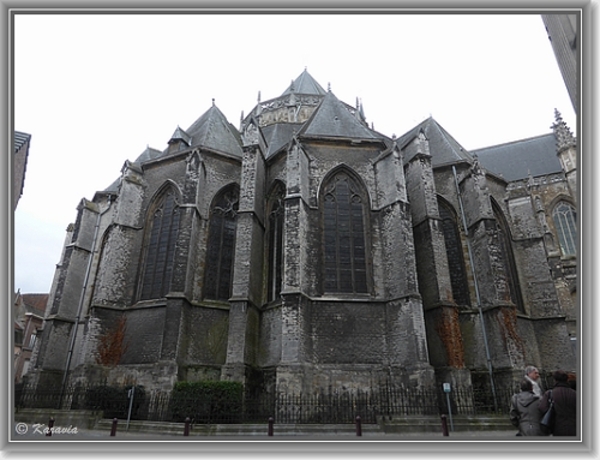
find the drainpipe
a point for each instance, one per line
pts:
(476, 284)
(80, 305)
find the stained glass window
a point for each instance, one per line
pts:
(345, 261)
(565, 219)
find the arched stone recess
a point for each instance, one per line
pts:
(507, 279)
(112, 284)
(455, 252)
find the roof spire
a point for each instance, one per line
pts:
(328, 87)
(213, 101)
(258, 100)
(562, 133)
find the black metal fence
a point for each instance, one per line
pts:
(331, 407)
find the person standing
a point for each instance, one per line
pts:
(524, 411)
(533, 375)
(565, 405)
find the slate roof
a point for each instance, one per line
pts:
(35, 303)
(20, 140)
(444, 149)
(305, 84)
(180, 135)
(213, 131)
(148, 154)
(279, 135)
(332, 119)
(516, 160)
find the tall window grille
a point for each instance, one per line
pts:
(565, 218)
(221, 245)
(345, 263)
(159, 250)
(454, 254)
(275, 238)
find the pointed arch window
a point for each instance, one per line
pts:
(507, 258)
(345, 263)
(221, 245)
(565, 218)
(454, 254)
(159, 245)
(275, 241)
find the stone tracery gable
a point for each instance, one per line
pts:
(295, 108)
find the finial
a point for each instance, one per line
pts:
(557, 115)
(562, 133)
(329, 87)
(213, 101)
(259, 96)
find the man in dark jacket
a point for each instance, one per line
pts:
(565, 405)
(524, 412)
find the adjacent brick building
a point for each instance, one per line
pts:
(28, 317)
(307, 251)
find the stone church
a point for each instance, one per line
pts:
(304, 250)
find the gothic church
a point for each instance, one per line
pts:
(306, 251)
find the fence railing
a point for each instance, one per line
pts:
(331, 407)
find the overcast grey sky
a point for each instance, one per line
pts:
(95, 90)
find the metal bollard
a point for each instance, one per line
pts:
(113, 428)
(358, 426)
(186, 428)
(270, 432)
(50, 425)
(444, 425)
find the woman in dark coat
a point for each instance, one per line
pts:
(565, 405)
(524, 412)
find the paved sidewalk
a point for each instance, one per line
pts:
(123, 435)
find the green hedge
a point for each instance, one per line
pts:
(207, 402)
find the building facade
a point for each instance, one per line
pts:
(19, 162)
(306, 251)
(564, 33)
(28, 317)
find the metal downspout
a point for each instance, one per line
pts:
(477, 295)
